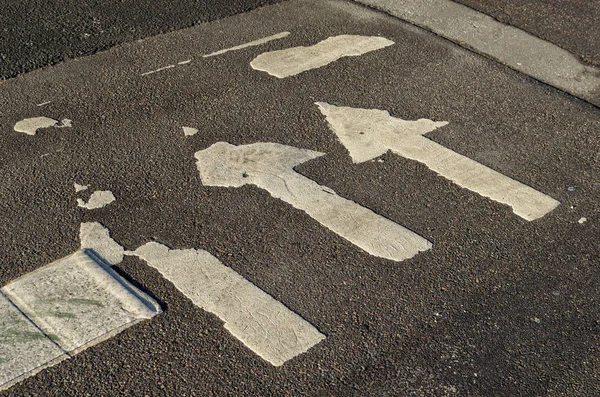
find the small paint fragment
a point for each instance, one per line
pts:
(99, 199)
(188, 131)
(184, 62)
(79, 188)
(31, 125)
(292, 61)
(250, 44)
(44, 103)
(65, 123)
(582, 220)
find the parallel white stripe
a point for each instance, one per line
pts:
(262, 323)
(250, 44)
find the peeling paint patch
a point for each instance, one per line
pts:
(31, 125)
(292, 61)
(99, 199)
(79, 188)
(95, 236)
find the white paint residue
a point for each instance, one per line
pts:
(44, 103)
(250, 44)
(61, 309)
(292, 61)
(95, 236)
(99, 199)
(368, 133)
(582, 220)
(184, 62)
(30, 126)
(65, 123)
(79, 188)
(270, 167)
(262, 323)
(158, 70)
(188, 131)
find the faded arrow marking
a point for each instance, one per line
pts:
(368, 133)
(270, 167)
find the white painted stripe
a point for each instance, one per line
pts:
(270, 167)
(509, 45)
(44, 103)
(31, 125)
(98, 199)
(262, 323)
(184, 62)
(80, 301)
(368, 133)
(95, 236)
(250, 44)
(24, 349)
(292, 61)
(158, 70)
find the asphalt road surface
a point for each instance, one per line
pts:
(499, 305)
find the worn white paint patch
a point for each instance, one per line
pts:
(262, 323)
(80, 301)
(250, 44)
(270, 167)
(582, 220)
(368, 133)
(188, 131)
(31, 125)
(95, 236)
(24, 349)
(44, 103)
(98, 199)
(292, 61)
(79, 188)
(184, 62)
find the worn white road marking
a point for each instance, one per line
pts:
(44, 103)
(31, 125)
(64, 123)
(59, 310)
(98, 199)
(184, 62)
(270, 167)
(292, 61)
(582, 220)
(24, 349)
(512, 46)
(79, 188)
(368, 133)
(249, 44)
(262, 323)
(95, 236)
(188, 131)
(79, 300)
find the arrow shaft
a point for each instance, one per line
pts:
(373, 233)
(525, 201)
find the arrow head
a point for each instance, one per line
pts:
(224, 164)
(369, 133)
